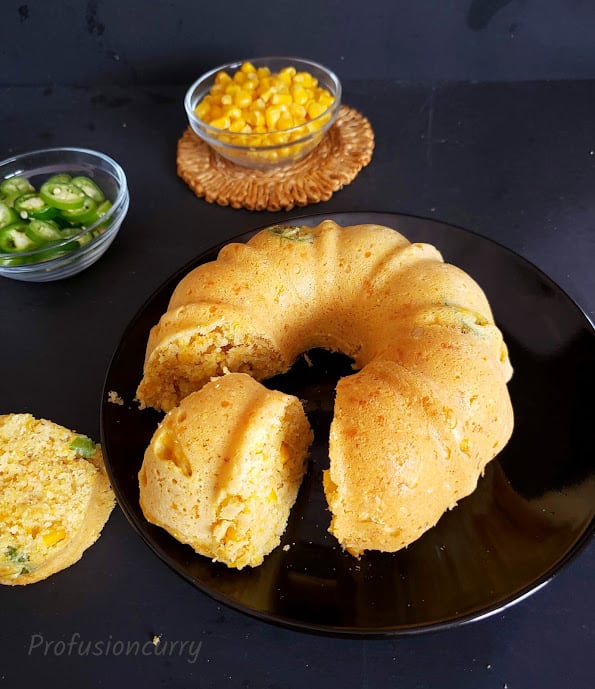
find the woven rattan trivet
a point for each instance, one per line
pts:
(335, 162)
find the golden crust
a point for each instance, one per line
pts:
(223, 469)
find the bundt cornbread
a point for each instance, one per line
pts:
(223, 469)
(55, 497)
(414, 429)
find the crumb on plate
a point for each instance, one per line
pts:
(114, 398)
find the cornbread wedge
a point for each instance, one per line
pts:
(55, 498)
(223, 469)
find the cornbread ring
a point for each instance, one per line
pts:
(414, 429)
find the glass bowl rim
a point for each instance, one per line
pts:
(119, 205)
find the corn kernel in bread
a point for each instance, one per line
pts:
(53, 500)
(224, 467)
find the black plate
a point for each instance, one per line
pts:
(531, 513)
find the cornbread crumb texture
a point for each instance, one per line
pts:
(414, 429)
(114, 398)
(53, 501)
(224, 467)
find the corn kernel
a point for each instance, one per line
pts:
(314, 110)
(258, 104)
(251, 82)
(264, 84)
(284, 452)
(222, 78)
(53, 537)
(215, 113)
(230, 534)
(300, 95)
(285, 121)
(285, 77)
(238, 126)
(242, 99)
(268, 94)
(305, 79)
(272, 116)
(220, 123)
(298, 112)
(276, 138)
(256, 118)
(234, 113)
(202, 109)
(326, 99)
(298, 133)
(281, 99)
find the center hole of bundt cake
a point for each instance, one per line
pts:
(313, 379)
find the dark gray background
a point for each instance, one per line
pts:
(136, 41)
(483, 115)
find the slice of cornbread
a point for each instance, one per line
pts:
(224, 467)
(55, 497)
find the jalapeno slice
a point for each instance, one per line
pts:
(102, 209)
(47, 254)
(7, 215)
(89, 188)
(13, 238)
(42, 231)
(62, 195)
(12, 260)
(60, 178)
(85, 215)
(31, 205)
(15, 186)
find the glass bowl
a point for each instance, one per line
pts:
(81, 247)
(268, 150)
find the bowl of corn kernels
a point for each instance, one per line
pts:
(264, 112)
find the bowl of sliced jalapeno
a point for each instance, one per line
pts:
(60, 209)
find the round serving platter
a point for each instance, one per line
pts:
(531, 513)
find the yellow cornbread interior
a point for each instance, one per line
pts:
(46, 493)
(190, 357)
